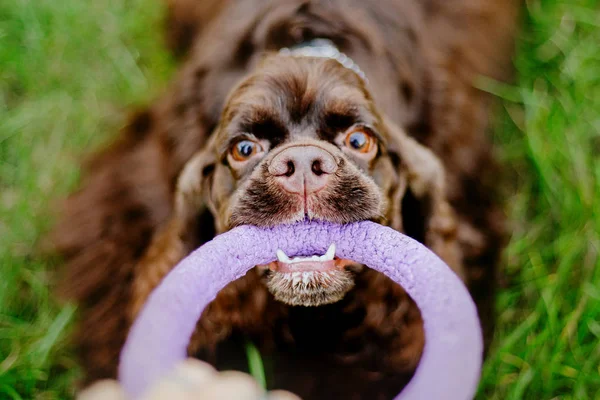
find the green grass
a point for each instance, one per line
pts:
(69, 69)
(548, 343)
(255, 364)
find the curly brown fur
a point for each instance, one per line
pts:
(422, 60)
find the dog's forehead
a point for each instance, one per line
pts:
(291, 96)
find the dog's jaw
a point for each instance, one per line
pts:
(310, 289)
(308, 281)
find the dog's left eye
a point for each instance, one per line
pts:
(360, 141)
(244, 149)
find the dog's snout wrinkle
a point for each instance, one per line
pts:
(303, 169)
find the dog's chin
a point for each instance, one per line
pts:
(310, 282)
(309, 288)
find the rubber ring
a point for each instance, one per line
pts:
(451, 362)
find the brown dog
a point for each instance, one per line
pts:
(278, 138)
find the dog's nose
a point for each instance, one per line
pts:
(303, 169)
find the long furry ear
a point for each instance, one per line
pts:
(192, 195)
(420, 207)
(192, 200)
(187, 228)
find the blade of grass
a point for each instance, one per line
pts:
(255, 364)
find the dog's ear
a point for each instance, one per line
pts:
(192, 193)
(419, 205)
(187, 227)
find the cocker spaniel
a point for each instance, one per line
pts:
(339, 110)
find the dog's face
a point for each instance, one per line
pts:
(301, 139)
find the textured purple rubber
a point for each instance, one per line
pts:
(451, 362)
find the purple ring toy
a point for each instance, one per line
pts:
(451, 362)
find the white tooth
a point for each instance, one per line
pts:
(330, 253)
(281, 256)
(328, 256)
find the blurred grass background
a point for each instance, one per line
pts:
(70, 69)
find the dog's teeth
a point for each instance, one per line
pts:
(330, 253)
(281, 256)
(328, 256)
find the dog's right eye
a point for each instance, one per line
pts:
(360, 141)
(245, 149)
